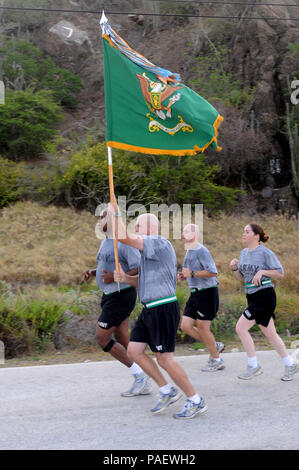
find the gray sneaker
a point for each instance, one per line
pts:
(191, 409)
(220, 348)
(141, 386)
(251, 372)
(289, 371)
(166, 399)
(213, 365)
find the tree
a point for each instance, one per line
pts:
(27, 123)
(11, 176)
(291, 128)
(24, 66)
(215, 81)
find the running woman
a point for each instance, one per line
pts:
(201, 308)
(159, 320)
(117, 305)
(257, 266)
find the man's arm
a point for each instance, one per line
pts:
(198, 274)
(88, 273)
(130, 239)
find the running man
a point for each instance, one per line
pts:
(257, 266)
(158, 322)
(202, 306)
(117, 305)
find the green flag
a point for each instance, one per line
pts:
(151, 113)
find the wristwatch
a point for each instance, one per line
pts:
(192, 274)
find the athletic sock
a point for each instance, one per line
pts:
(252, 361)
(195, 398)
(165, 389)
(135, 369)
(217, 359)
(288, 360)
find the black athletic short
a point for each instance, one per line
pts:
(157, 327)
(203, 304)
(116, 307)
(261, 306)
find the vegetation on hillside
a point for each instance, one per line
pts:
(37, 91)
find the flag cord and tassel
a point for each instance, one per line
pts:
(113, 199)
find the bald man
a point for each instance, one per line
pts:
(201, 308)
(159, 320)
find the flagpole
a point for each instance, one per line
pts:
(103, 20)
(113, 199)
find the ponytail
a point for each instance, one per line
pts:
(258, 230)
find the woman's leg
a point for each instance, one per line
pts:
(275, 340)
(242, 328)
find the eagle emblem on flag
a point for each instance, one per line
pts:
(156, 93)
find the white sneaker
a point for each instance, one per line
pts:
(141, 386)
(220, 348)
(289, 371)
(251, 372)
(166, 399)
(213, 365)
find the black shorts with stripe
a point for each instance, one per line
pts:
(116, 307)
(261, 306)
(157, 327)
(203, 304)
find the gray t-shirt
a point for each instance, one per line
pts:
(158, 269)
(251, 261)
(200, 259)
(129, 258)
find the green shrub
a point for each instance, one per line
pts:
(83, 181)
(28, 320)
(11, 177)
(24, 66)
(27, 123)
(26, 325)
(214, 79)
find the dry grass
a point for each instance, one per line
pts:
(50, 245)
(42, 245)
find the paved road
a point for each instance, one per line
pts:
(78, 406)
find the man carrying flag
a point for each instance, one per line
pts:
(149, 110)
(158, 322)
